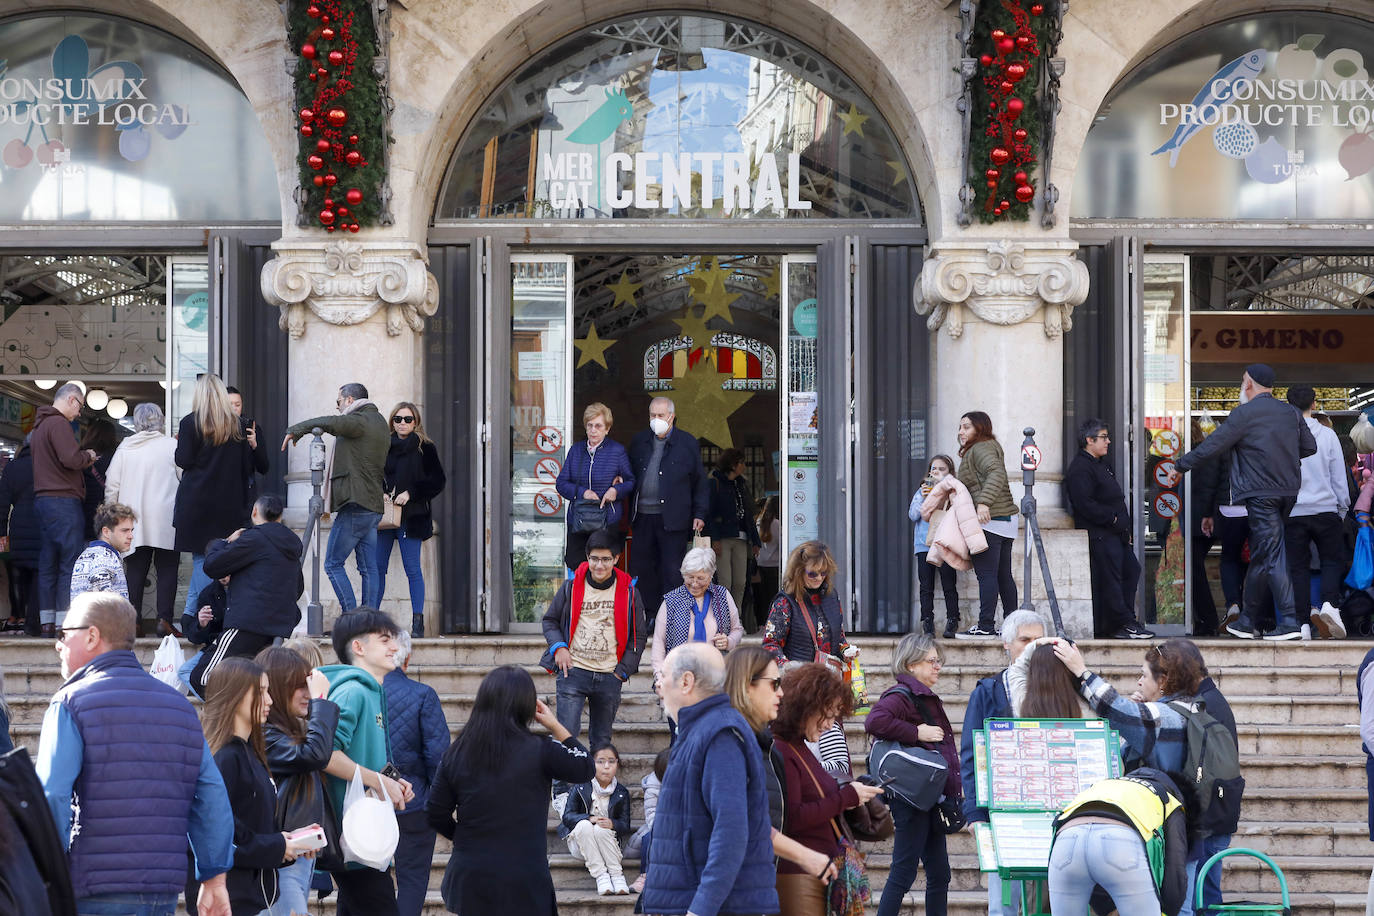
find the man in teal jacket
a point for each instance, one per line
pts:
(365, 643)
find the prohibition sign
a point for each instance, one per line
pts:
(547, 502)
(1163, 471)
(546, 470)
(1030, 457)
(1167, 505)
(1167, 442)
(548, 439)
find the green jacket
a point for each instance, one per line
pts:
(984, 472)
(359, 454)
(362, 728)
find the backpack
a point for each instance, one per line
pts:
(913, 773)
(1210, 780)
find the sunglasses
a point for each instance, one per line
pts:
(814, 574)
(401, 418)
(775, 681)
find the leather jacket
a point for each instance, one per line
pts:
(298, 770)
(1267, 439)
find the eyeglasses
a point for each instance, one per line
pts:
(815, 574)
(1103, 436)
(775, 681)
(600, 561)
(68, 630)
(934, 662)
(402, 419)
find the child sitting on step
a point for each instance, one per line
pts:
(595, 819)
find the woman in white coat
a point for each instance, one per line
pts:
(144, 476)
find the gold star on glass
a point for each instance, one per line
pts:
(624, 290)
(853, 120)
(704, 407)
(592, 349)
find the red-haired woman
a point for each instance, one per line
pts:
(983, 470)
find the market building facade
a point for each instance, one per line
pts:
(755, 213)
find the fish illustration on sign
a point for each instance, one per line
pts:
(1222, 85)
(600, 124)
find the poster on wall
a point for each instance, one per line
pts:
(803, 500)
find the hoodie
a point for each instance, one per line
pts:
(57, 460)
(362, 730)
(265, 564)
(1324, 487)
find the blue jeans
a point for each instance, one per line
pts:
(184, 672)
(995, 905)
(199, 582)
(918, 839)
(414, 856)
(63, 524)
(127, 905)
(410, 560)
(1111, 855)
(293, 888)
(354, 532)
(1198, 853)
(601, 691)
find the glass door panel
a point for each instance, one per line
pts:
(801, 403)
(189, 326)
(540, 411)
(1165, 409)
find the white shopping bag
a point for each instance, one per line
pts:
(167, 661)
(370, 832)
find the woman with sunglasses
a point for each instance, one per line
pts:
(911, 713)
(413, 477)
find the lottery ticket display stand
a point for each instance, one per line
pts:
(1028, 770)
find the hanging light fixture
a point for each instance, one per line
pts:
(118, 408)
(97, 398)
(45, 384)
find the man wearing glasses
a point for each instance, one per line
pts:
(355, 490)
(58, 490)
(1099, 507)
(595, 631)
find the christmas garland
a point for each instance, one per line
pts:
(1010, 38)
(340, 105)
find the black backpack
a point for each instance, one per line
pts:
(1210, 780)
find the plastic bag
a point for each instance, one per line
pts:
(1361, 573)
(167, 661)
(370, 832)
(859, 685)
(1362, 434)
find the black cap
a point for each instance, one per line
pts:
(1260, 374)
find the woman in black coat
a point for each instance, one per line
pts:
(491, 797)
(19, 523)
(413, 477)
(216, 461)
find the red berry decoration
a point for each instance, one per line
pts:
(330, 180)
(1000, 155)
(1036, 9)
(1025, 193)
(353, 158)
(315, 162)
(354, 197)
(986, 60)
(1015, 107)
(322, 145)
(1019, 178)
(1020, 135)
(1015, 72)
(306, 129)
(308, 51)
(336, 58)
(337, 116)
(307, 115)
(327, 34)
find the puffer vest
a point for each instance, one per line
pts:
(143, 747)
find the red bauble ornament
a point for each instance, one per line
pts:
(327, 34)
(319, 181)
(330, 180)
(1005, 46)
(312, 76)
(353, 139)
(1006, 87)
(1020, 135)
(312, 11)
(998, 34)
(353, 158)
(337, 116)
(993, 174)
(322, 145)
(353, 227)
(1025, 193)
(324, 19)
(354, 197)
(327, 217)
(343, 211)
(307, 115)
(308, 51)
(1004, 204)
(1015, 107)
(992, 185)
(306, 130)
(1015, 72)
(336, 58)
(1036, 9)
(992, 106)
(1019, 178)
(1023, 42)
(329, 203)
(986, 60)
(322, 72)
(1000, 155)
(315, 162)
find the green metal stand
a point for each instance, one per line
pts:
(1243, 907)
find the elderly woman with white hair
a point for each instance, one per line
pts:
(696, 611)
(143, 475)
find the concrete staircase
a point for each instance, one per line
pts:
(1305, 801)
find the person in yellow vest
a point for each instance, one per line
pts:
(1130, 836)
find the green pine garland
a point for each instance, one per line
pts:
(989, 126)
(350, 85)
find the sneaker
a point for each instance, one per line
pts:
(560, 801)
(975, 632)
(618, 885)
(1240, 631)
(1133, 631)
(638, 886)
(1283, 633)
(1306, 632)
(951, 629)
(604, 886)
(48, 631)
(1330, 616)
(928, 627)
(1232, 613)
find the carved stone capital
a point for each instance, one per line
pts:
(346, 281)
(1002, 282)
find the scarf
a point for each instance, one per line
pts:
(682, 612)
(404, 464)
(601, 798)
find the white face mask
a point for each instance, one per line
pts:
(1244, 395)
(659, 425)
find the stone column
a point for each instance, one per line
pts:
(354, 310)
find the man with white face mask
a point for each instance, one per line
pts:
(671, 501)
(1267, 440)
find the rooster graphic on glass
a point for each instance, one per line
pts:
(600, 126)
(1220, 87)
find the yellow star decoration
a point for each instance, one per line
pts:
(853, 120)
(624, 290)
(695, 329)
(592, 349)
(704, 407)
(899, 174)
(707, 283)
(772, 284)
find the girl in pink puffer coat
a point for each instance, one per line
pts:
(958, 535)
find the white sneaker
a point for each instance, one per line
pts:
(560, 801)
(618, 884)
(1306, 632)
(1331, 616)
(604, 886)
(1232, 614)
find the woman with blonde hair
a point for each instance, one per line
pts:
(216, 463)
(596, 479)
(413, 477)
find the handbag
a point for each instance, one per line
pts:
(821, 658)
(950, 814)
(702, 541)
(849, 891)
(586, 515)
(871, 822)
(391, 514)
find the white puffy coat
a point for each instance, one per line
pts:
(143, 475)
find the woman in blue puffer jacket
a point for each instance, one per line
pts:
(596, 479)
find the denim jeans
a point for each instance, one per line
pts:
(918, 839)
(63, 525)
(600, 691)
(410, 561)
(199, 582)
(293, 888)
(127, 905)
(995, 905)
(354, 532)
(1198, 854)
(1111, 855)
